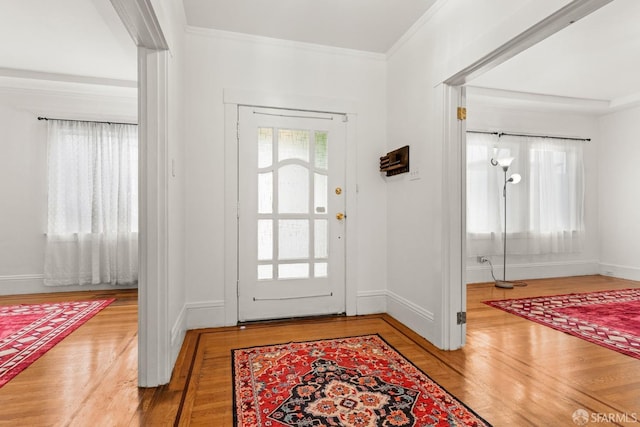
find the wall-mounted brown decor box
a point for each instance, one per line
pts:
(395, 162)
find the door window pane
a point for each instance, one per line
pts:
(293, 239)
(265, 239)
(320, 269)
(293, 144)
(265, 147)
(320, 193)
(321, 237)
(265, 193)
(321, 150)
(265, 272)
(293, 189)
(293, 271)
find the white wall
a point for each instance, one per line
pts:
(452, 36)
(216, 61)
(619, 203)
(485, 117)
(23, 167)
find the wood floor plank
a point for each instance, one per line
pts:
(511, 371)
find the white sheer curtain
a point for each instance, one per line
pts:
(92, 232)
(544, 211)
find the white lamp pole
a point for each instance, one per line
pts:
(504, 163)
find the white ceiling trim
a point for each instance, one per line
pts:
(68, 78)
(15, 84)
(535, 101)
(624, 102)
(290, 44)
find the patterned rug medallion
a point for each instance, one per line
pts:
(608, 318)
(352, 382)
(30, 330)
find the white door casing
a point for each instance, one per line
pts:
(291, 193)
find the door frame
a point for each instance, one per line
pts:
(233, 99)
(454, 296)
(154, 344)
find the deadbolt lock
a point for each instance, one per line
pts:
(338, 190)
(340, 216)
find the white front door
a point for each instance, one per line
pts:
(291, 201)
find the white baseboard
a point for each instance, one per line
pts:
(211, 314)
(20, 284)
(413, 316)
(537, 270)
(619, 271)
(206, 314)
(178, 332)
(371, 302)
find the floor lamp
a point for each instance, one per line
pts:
(515, 178)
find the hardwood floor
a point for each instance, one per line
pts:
(512, 372)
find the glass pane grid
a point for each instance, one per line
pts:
(293, 201)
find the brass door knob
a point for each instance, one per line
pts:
(340, 216)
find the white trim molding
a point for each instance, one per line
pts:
(178, 332)
(40, 76)
(413, 316)
(372, 302)
(20, 284)
(620, 271)
(141, 22)
(422, 313)
(205, 314)
(17, 284)
(533, 270)
(279, 100)
(154, 351)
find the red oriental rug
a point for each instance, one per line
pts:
(608, 318)
(352, 382)
(28, 331)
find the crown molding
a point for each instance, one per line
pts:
(281, 43)
(65, 78)
(625, 102)
(69, 89)
(534, 101)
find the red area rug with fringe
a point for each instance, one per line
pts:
(28, 331)
(353, 382)
(607, 318)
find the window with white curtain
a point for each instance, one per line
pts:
(544, 211)
(92, 227)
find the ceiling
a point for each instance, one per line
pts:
(596, 58)
(64, 38)
(367, 25)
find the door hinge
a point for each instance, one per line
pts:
(461, 317)
(462, 113)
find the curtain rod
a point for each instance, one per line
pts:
(88, 121)
(525, 135)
